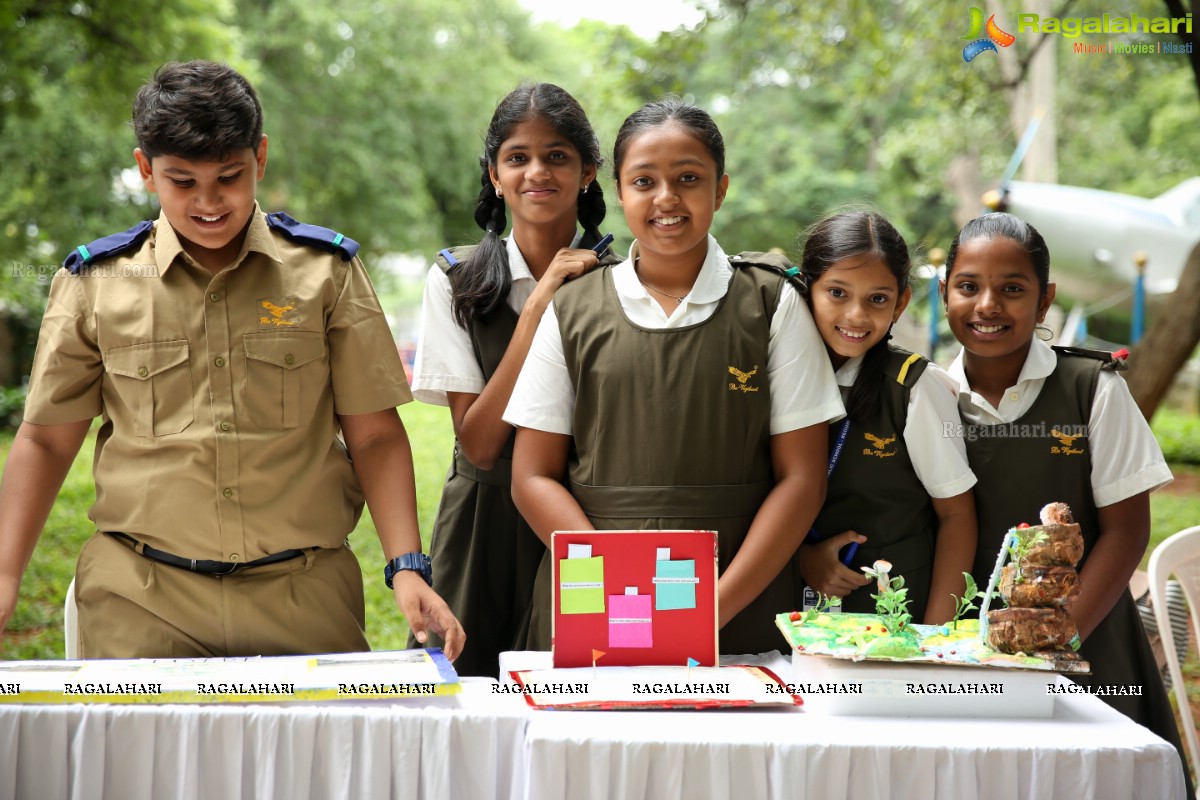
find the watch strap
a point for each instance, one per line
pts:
(417, 562)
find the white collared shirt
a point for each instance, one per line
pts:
(445, 359)
(1126, 458)
(937, 452)
(802, 386)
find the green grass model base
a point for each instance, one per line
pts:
(866, 637)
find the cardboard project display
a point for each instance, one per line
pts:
(634, 598)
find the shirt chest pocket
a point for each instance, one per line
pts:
(155, 382)
(286, 373)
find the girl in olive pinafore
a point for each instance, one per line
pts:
(1050, 425)
(900, 487)
(686, 409)
(482, 305)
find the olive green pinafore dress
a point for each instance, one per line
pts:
(1018, 475)
(875, 491)
(672, 430)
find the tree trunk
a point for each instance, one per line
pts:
(1176, 8)
(1169, 342)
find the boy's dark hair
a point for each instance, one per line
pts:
(483, 281)
(1000, 225)
(198, 111)
(858, 234)
(671, 109)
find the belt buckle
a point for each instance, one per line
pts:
(233, 567)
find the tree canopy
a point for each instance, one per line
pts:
(375, 111)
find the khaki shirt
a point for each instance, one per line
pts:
(218, 393)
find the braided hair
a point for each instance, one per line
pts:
(481, 284)
(852, 235)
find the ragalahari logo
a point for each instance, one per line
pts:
(981, 43)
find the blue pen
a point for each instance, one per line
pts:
(603, 244)
(850, 551)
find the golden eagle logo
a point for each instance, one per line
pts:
(879, 446)
(1066, 439)
(277, 311)
(278, 315)
(743, 376)
(879, 443)
(743, 384)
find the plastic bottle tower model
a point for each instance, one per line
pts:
(1039, 586)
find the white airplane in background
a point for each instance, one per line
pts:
(1096, 233)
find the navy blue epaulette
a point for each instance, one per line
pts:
(313, 235)
(1114, 362)
(87, 254)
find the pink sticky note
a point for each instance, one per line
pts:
(629, 620)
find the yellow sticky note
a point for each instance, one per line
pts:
(581, 585)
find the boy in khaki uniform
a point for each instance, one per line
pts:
(224, 350)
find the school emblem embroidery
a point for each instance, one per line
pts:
(878, 446)
(742, 383)
(278, 315)
(1066, 440)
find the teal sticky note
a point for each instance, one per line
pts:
(581, 585)
(675, 585)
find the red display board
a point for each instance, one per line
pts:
(641, 598)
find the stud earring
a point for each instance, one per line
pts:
(586, 186)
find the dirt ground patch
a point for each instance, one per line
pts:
(1185, 483)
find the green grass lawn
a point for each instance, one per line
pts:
(35, 630)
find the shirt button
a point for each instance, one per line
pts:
(228, 492)
(143, 372)
(289, 359)
(1014, 397)
(226, 426)
(233, 556)
(220, 362)
(214, 297)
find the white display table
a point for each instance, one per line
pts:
(485, 744)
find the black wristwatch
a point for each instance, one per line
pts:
(417, 562)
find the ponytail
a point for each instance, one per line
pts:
(481, 284)
(865, 396)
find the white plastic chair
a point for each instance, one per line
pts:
(1178, 554)
(71, 624)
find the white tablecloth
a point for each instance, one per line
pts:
(1086, 750)
(468, 746)
(487, 745)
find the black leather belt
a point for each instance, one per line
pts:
(204, 567)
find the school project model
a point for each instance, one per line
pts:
(636, 598)
(398, 675)
(998, 664)
(1032, 632)
(626, 688)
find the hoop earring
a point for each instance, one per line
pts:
(1043, 332)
